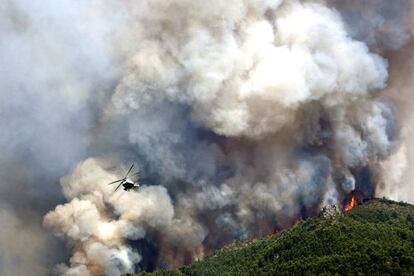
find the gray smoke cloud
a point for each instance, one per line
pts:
(55, 68)
(382, 25)
(386, 27)
(243, 116)
(397, 169)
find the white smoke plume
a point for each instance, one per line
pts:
(243, 116)
(98, 221)
(248, 75)
(97, 236)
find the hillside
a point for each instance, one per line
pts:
(374, 238)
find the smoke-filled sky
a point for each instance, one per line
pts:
(243, 116)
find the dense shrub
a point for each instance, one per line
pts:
(376, 238)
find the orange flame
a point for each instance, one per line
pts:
(351, 204)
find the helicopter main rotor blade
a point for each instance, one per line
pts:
(113, 182)
(134, 174)
(129, 171)
(118, 186)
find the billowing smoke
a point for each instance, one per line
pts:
(242, 116)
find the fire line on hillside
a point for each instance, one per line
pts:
(351, 204)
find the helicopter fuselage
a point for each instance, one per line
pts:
(129, 185)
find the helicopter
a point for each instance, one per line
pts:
(126, 182)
